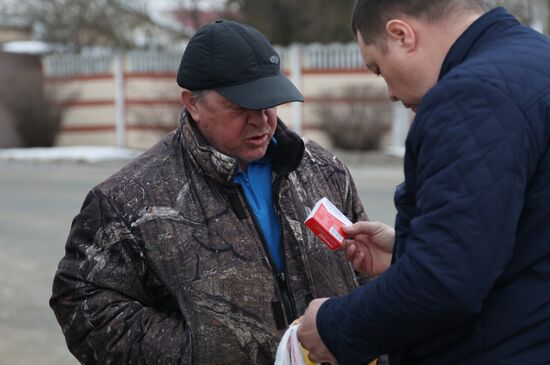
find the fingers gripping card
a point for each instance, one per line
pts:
(326, 221)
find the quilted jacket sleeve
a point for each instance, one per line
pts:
(101, 301)
(469, 148)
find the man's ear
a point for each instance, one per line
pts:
(402, 32)
(190, 102)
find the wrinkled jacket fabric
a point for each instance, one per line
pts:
(166, 265)
(471, 278)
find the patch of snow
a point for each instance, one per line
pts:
(26, 47)
(90, 154)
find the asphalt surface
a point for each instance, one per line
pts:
(37, 204)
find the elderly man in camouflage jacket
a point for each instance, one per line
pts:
(196, 252)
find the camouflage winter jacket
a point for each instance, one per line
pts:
(165, 263)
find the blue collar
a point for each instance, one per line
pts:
(470, 38)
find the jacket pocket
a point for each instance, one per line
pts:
(230, 315)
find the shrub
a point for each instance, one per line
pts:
(33, 113)
(359, 122)
(36, 117)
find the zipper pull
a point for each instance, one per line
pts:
(281, 277)
(286, 297)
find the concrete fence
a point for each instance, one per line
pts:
(132, 99)
(314, 56)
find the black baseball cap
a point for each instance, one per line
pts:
(239, 63)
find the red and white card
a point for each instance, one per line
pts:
(326, 221)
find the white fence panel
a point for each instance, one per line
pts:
(150, 61)
(65, 65)
(313, 56)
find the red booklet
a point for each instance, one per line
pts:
(326, 221)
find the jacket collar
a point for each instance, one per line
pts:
(471, 38)
(222, 168)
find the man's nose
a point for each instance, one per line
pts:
(258, 117)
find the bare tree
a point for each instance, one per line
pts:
(193, 14)
(75, 24)
(287, 21)
(189, 12)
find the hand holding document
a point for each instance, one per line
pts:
(326, 221)
(367, 245)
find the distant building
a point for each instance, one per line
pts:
(14, 32)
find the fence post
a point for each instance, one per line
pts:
(295, 63)
(120, 100)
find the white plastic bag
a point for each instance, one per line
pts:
(290, 351)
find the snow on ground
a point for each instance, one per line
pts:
(90, 154)
(27, 47)
(93, 154)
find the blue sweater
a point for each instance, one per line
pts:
(471, 279)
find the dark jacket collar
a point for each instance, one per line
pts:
(290, 150)
(480, 29)
(222, 168)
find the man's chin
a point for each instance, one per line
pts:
(411, 107)
(252, 157)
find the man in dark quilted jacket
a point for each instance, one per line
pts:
(465, 278)
(196, 252)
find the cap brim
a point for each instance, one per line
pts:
(263, 93)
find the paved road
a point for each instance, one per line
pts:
(37, 204)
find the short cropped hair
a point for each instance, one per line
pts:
(199, 94)
(369, 17)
